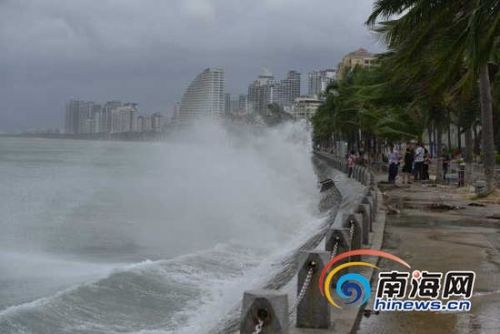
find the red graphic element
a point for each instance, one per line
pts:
(370, 252)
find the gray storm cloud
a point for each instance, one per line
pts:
(147, 51)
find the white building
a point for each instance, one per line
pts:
(305, 107)
(123, 119)
(266, 90)
(319, 81)
(204, 98)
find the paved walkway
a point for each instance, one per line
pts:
(462, 238)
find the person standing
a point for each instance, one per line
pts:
(419, 161)
(351, 161)
(408, 165)
(393, 159)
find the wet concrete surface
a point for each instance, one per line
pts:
(441, 242)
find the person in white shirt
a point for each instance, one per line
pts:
(393, 158)
(419, 161)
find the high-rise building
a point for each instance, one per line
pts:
(106, 114)
(227, 103)
(204, 98)
(361, 58)
(318, 81)
(260, 92)
(156, 122)
(242, 103)
(265, 90)
(71, 117)
(123, 119)
(81, 117)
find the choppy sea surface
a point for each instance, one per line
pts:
(141, 237)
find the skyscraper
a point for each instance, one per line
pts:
(288, 89)
(227, 103)
(80, 117)
(242, 103)
(319, 81)
(204, 98)
(260, 92)
(265, 90)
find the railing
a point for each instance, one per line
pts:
(267, 311)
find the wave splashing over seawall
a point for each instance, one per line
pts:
(214, 210)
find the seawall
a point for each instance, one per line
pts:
(355, 222)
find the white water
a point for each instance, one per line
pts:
(103, 237)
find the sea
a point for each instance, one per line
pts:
(149, 237)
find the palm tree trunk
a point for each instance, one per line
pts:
(438, 156)
(459, 138)
(429, 136)
(488, 136)
(468, 155)
(449, 135)
(477, 140)
(448, 122)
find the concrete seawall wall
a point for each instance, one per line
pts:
(357, 223)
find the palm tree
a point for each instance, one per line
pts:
(454, 32)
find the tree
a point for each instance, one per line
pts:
(454, 32)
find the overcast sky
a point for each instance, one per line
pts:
(147, 51)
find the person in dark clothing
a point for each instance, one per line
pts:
(427, 162)
(408, 166)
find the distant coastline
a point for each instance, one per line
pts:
(122, 136)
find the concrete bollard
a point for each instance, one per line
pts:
(364, 210)
(366, 177)
(372, 179)
(369, 200)
(365, 233)
(313, 310)
(267, 308)
(339, 236)
(355, 233)
(373, 194)
(326, 185)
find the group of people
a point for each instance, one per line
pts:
(416, 162)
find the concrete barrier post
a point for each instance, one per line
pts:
(355, 233)
(313, 310)
(364, 210)
(366, 177)
(326, 185)
(369, 200)
(365, 234)
(372, 179)
(337, 241)
(266, 310)
(373, 193)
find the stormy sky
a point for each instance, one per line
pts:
(147, 51)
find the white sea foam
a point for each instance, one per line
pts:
(215, 209)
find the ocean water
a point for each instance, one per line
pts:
(141, 237)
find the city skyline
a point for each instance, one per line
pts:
(148, 52)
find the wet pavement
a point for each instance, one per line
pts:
(443, 241)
